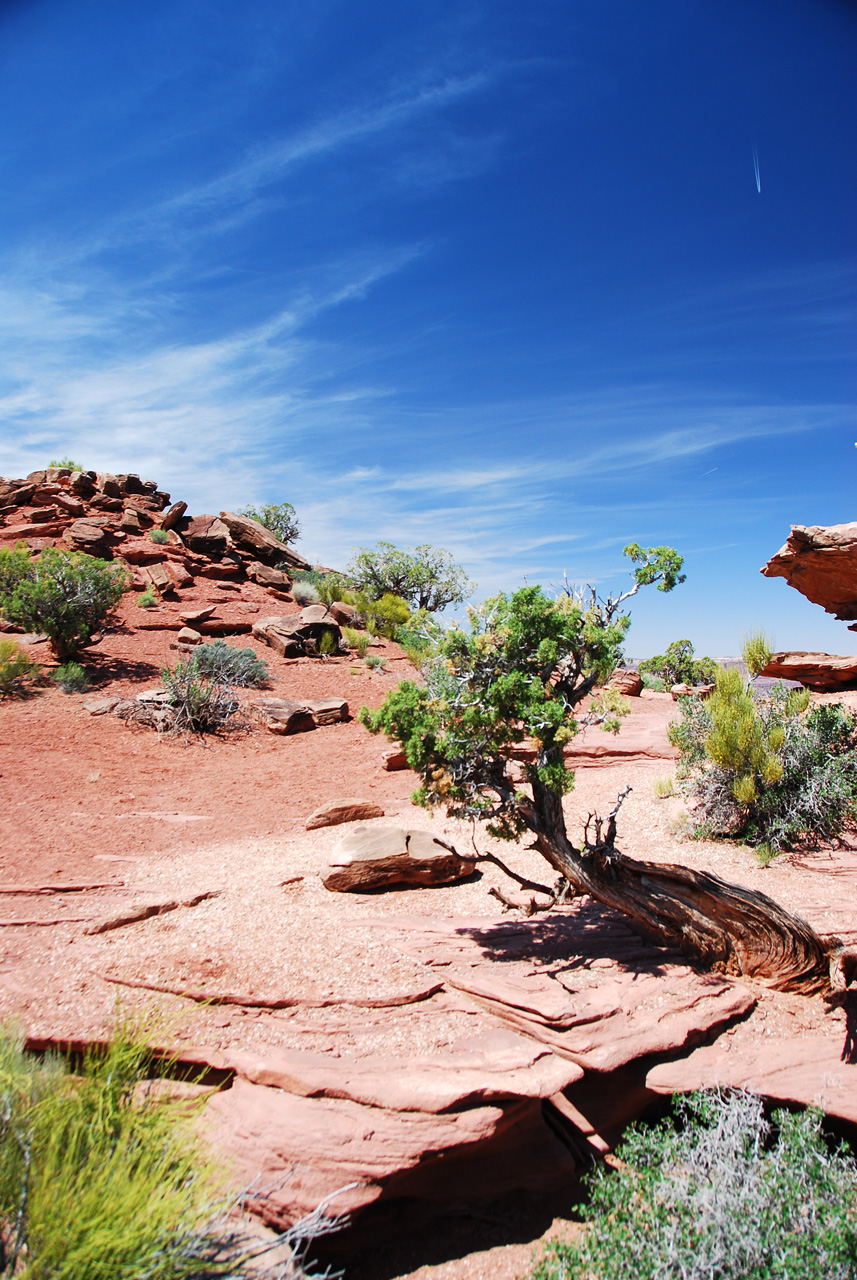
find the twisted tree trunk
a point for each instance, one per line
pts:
(735, 930)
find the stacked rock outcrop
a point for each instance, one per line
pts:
(113, 517)
(821, 563)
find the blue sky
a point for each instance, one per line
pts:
(487, 275)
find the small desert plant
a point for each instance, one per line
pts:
(101, 1176)
(71, 678)
(664, 788)
(375, 663)
(147, 599)
(385, 615)
(678, 665)
(68, 596)
(305, 593)
(718, 1193)
(328, 645)
(15, 666)
(161, 536)
(765, 768)
(652, 682)
(197, 705)
(228, 665)
(66, 462)
(357, 640)
(334, 586)
(757, 652)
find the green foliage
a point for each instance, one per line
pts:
(16, 566)
(15, 666)
(71, 678)
(426, 578)
(328, 646)
(67, 462)
(147, 599)
(385, 615)
(357, 640)
(226, 664)
(678, 666)
(278, 518)
(160, 536)
(305, 593)
(664, 788)
(652, 682)
(197, 705)
(757, 652)
(334, 586)
(721, 1195)
(97, 1178)
(102, 1177)
(375, 662)
(659, 566)
(764, 768)
(67, 595)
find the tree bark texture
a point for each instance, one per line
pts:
(736, 930)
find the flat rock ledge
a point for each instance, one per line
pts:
(824, 672)
(379, 858)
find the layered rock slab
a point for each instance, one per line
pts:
(367, 859)
(823, 672)
(821, 563)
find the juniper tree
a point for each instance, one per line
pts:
(520, 674)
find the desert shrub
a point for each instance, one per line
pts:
(757, 652)
(678, 665)
(385, 615)
(197, 704)
(278, 518)
(357, 640)
(71, 678)
(68, 596)
(426, 578)
(161, 536)
(719, 1193)
(375, 662)
(664, 788)
(16, 566)
(305, 593)
(100, 1176)
(15, 666)
(764, 768)
(652, 682)
(328, 645)
(227, 664)
(66, 462)
(147, 599)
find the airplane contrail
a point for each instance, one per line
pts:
(756, 169)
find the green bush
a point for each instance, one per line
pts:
(67, 462)
(678, 666)
(278, 518)
(197, 705)
(652, 682)
(764, 768)
(16, 566)
(758, 651)
(226, 664)
(71, 678)
(721, 1194)
(67, 595)
(161, 536)
(386, 615)
(305, 593)
(101, 1177)
(15, 666)
(357, 640)
(328, 646)
(147, 599)
(375, 662)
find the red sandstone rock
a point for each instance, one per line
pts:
(249, 535)
(378, 858)
(351, 810)
(821, 671)
(821, 563)
(627, 682)
(393, 760)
